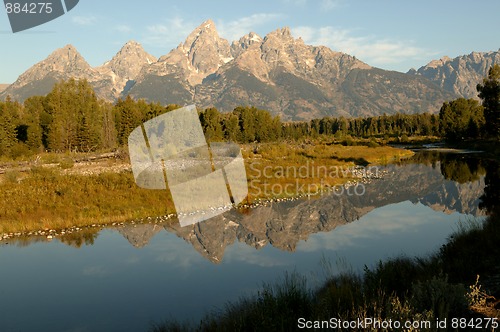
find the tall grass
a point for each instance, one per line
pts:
(48, 199)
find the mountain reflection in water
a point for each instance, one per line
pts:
(443, 182)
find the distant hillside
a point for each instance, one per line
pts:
(3, 87)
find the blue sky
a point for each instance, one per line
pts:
(390, 34)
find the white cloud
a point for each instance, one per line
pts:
(329, 4)
(168, 34)
(234, 30)
(241, 252)
(95, 271)
(326, 5)
(371, 49)
(295, 2)
(84, 20)
(123, 28)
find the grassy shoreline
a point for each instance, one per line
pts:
(450, 284)
(61, 194)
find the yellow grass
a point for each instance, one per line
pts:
(60, 197)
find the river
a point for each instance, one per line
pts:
(123, 278)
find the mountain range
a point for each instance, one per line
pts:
(277, 72)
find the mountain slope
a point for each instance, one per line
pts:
(461, 74)
(108, 81)
(299, 82)
(125, 67)
(173, 77)
(63, 63)
(279, 73)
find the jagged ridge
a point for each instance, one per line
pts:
(461, 74)
(278, 72)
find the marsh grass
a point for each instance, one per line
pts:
(47, 199)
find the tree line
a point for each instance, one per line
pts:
(72, 118)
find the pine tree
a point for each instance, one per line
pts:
(74, 117)
(211, 122)
(127, 118)
(33, 110)
(489, 92)
(9, 120)
(231, 127)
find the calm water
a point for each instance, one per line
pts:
(134, 275)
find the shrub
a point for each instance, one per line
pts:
(12, 176)
(445, 300)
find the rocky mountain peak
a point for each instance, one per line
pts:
(278, 72)
(284, 32)
(127, 63)
(238, 47)
(280, 36)
(438, 63)
(206, 29)
(63, 59)
(459, 75)
(66, 60)
(202, 53)
(131, 48)
(124, 67)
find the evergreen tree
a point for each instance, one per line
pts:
(489, 92)
(9, 115)
(231, 127)
(75, 119)
(246, 118)
(211, 122)
(33, 110)
(108, 133)
(456, 117)
(127, 117)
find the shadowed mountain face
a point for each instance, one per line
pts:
(284, 224)
(279, 73)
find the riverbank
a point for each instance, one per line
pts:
(56, 194)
